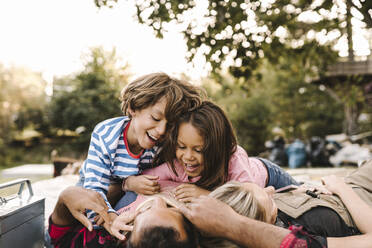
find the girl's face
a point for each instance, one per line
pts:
(189, 149)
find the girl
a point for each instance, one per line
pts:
(122, 147)
(201, 153)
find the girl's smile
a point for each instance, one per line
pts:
(189, 149)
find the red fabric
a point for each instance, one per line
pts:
(78, 236)
(126, 143)
(294, 239)
(56, 232)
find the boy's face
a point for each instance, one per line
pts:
(148, 126)
(189, 151)
(159, 214)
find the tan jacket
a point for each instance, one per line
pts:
(295, 204)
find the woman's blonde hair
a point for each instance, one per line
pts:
(242, 201)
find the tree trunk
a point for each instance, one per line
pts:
(349, 30)
(351, 119)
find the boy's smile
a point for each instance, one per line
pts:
(147, 126)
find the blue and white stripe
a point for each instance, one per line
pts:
(108, 158)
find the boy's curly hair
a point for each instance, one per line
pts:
(147, 90)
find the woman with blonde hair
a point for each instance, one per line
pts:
(243, 201)
(307, 219)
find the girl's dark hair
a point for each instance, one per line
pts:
(219, 143)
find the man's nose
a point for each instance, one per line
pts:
(159, 202)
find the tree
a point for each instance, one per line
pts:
(281, 98)
(91, 96)
(22, 93)
(241, 33)
(249, 110)
(300, 108)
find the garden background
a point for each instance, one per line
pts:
(287, 67)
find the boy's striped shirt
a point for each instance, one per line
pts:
(108, 158)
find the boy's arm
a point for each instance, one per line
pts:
(142, 184)
(147, 183)
(72, 203)
(97, 169)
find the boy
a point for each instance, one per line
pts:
(122, 147)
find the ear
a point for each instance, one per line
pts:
(131, 112)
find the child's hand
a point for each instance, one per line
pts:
(77, 200)
(101, 222)
(124, 222)
(142, 184)
(186, 192)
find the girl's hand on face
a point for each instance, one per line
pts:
(186, 192)
(122, 225)
(142, 184)
(334, 184)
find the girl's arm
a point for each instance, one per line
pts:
(359, 210)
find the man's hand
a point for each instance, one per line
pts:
(122, 223)
(334, 184)
(209, 215)
(186, 192)
(142, 184)
(77, 200)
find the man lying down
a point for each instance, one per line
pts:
(233, 215)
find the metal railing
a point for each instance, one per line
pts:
(350, 68)
(22, 182)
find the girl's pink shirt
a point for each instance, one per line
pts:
(241, 168)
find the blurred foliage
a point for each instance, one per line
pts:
(29, 119)
(245, 32)
(280, 99)
(80, 102)
(22, 99)
(250, 113)
(243, 35)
